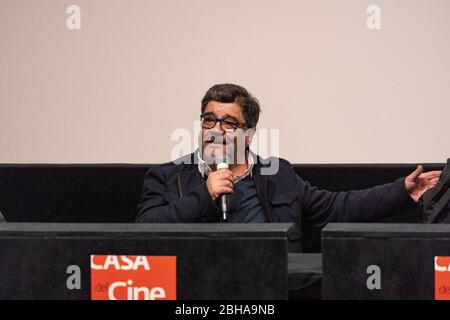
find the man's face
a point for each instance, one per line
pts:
(221, 139)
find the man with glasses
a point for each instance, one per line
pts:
(187, 190)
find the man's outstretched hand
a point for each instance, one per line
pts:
(418, 182)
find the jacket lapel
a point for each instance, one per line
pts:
(189, 176)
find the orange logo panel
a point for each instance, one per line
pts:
(442, 278)
(133, 277)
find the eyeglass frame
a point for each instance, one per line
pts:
(222, 120)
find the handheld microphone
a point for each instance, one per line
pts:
(222, 163)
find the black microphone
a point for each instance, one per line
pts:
(222, 163)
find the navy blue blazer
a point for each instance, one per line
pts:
(178, 193)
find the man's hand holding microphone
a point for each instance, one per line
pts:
(220, 183)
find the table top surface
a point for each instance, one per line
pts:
(333, 230)
(209, 230)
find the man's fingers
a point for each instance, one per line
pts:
(434, 181)
(226, 183)
(222, 190)
(431, 174)
(416, 172)
(228, 179)
(227, 174)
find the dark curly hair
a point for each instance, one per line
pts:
(232, 93)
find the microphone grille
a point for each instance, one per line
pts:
(222, 165)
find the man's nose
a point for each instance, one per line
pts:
(218, 127)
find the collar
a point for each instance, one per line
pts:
(205, 169)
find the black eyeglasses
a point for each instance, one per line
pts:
(228, 123)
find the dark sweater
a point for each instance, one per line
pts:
(244, 204)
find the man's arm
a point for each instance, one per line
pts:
(158, 204)
(367, 205)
